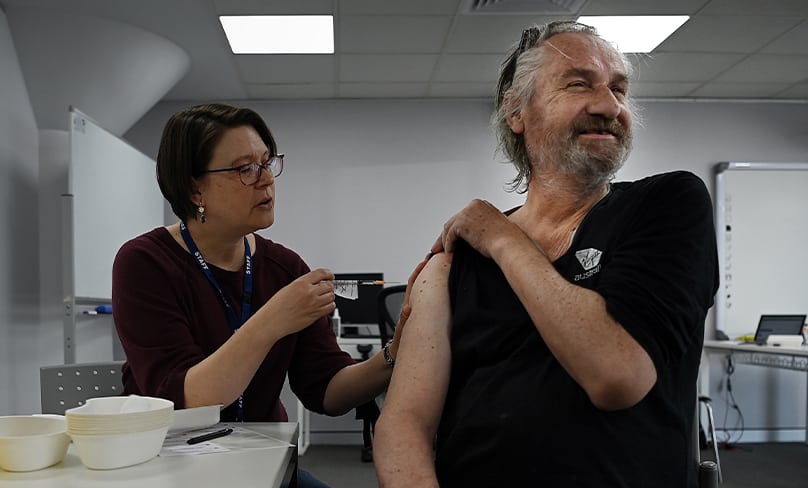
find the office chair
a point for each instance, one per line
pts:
(390, 300)
(709, 472)
(66, 386)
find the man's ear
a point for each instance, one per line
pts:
(514, 118)
(516, 123)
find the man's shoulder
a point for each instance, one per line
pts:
(664, 184)
(677, 177)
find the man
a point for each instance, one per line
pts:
(558, 344)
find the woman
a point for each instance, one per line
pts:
(209, 312)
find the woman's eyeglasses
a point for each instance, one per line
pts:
(250, 173)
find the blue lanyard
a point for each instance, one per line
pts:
(231, 315)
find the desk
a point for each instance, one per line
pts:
(793, 358)
(251, 466)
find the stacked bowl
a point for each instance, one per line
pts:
(32, 442)
(114, 432)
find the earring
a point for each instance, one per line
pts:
(201, 210)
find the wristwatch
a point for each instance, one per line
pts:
(391, 361)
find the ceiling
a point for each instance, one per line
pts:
(739, 49)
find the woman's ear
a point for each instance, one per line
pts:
(196, 192)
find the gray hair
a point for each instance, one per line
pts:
(515, 89)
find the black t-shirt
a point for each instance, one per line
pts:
(514, 417)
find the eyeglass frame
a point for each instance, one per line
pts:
(259, 167)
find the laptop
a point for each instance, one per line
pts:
(778, 325)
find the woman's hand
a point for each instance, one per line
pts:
(301, 302)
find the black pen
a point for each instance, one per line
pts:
(210, 436)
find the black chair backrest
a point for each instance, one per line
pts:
(390, 300)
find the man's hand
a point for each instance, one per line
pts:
(480, 224)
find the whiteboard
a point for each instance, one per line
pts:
(762, 230)
(115, 197)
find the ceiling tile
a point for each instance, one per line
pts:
(291, 91)
(739, 90)
(644, 7)
(681, 66)
(488, 33)
(768, 68)
(468, 68)
(662, 90)
(795, 8)
(798, 91)
(410, 7)
(386, 67)
(794, 41)
(274, 7)
(731, 34)
(392, 34)
(462, 90)
(381, 90)
(286, 68)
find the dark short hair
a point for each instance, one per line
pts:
(187, 144)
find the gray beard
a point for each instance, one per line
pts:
(592, 169)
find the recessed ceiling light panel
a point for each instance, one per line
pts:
(279, 34)
(637, 33)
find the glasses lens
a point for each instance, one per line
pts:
(248, 174)
(251, 173)
(275, 165)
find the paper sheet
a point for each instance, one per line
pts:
(347, 289)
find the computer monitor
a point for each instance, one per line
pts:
(363, 310)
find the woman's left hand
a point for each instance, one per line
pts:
(405, 306)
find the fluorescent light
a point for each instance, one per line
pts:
(279, 34)
(638, 33)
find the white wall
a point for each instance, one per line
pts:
(19, 256)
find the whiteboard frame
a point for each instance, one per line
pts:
(150, 204)
(720, 171)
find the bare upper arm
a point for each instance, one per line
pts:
(421, 376)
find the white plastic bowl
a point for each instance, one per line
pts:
(119, 450)
(29, 443)
(119, 415)
(132, 405)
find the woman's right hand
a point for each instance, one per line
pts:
(301, 302)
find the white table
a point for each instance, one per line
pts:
(245, 465)
(793, 358)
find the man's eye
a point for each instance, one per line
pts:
(248, 169)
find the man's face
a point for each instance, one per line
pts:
(578, 120)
